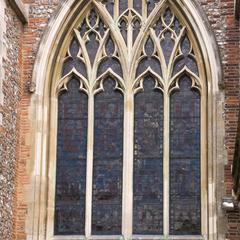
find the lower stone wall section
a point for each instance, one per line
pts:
(10, 73)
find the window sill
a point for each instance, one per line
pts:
(134, 237)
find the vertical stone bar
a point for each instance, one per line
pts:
(128, 165)
(88, 220)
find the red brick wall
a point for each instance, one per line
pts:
(227, 31)
(9, 131)
(231, 61)
(226, 28)
(39, 13)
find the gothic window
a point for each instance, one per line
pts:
(107, 163)
(71, 160)
(129, 136)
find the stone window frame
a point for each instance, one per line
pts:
(60, 83)
(45, 111)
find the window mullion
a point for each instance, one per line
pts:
(128, 164)
(130, 3)
(89, 180)
(116, 9)
(166, 130)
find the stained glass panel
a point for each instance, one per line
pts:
(136, 29)
(108, 155)
(123, 25)
(148, 161)
(168, 17)
(149, 60)
(71, 161)
(110, 60)
(167, 45)
(92, 46)
(185, 191)
(137, 5)
(151, 4)
(123, 6)
(187, 59)
(95, 35)
(73, 61)
(109, 4)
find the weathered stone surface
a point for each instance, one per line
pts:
(9, 130)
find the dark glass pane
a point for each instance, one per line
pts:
(76, 63)
(92, 46)
(186, 46)
(149, 47)
(109, 4)
(110, 61)
(149, 62)
(123, 5)
(137, 5)
(108, 155)
(177, 26)
(188, 61)
(179, 65)
(168, 17)
(80, 67)
(101, 28)
(123, 29)
(92, 18)
(74, 47)
(83, 28)
(92, 22)
(67, 66)
(185, 178)
(192, 65)
(167, 45)
(72, 60)
(148, 161)
(110, 47)
(71, 161)
(151, 5)
(158, 27)
(136, 29)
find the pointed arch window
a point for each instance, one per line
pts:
(129, 139)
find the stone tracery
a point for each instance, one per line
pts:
(130, 47)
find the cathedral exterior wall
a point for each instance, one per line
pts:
(10, 95)
(18, 49)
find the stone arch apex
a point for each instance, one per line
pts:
(69, 8)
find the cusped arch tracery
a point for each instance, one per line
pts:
(128, 44)
(128, 55)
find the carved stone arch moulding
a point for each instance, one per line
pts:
(161, 44)
(128, 42)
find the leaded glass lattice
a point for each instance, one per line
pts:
(71, 161)
(149, 59)
(129, 100)
(107, 164)
(185, 192)
(73, 60)
(148, 160)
